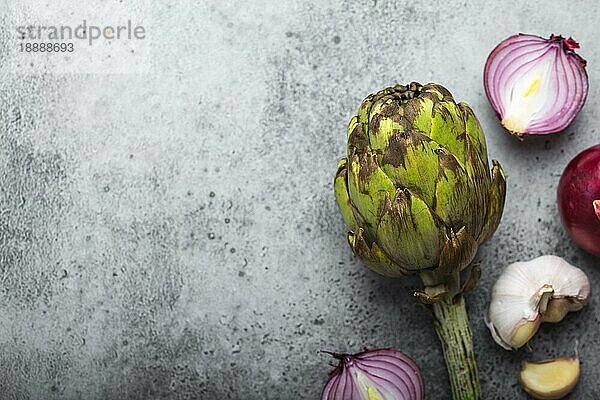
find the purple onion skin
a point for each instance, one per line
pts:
(579, 199)
(385, 374)
(554, 101)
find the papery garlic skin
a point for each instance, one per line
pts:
(530, 292)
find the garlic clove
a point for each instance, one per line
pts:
(557, 309)
(524, 333)
(527, 293)
(550, 379)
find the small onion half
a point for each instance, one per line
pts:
(536, 85)
(384, 374)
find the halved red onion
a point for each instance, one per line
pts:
(536, 85)
(383, 374)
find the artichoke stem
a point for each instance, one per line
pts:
(452, 327)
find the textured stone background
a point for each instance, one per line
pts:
(172, 234)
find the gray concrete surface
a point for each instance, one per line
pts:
(171, 233)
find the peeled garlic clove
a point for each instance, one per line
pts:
(550, 379)
(528, 293)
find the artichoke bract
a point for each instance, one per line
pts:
(418, 196)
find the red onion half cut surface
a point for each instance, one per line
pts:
(536, 85)
(382, 374)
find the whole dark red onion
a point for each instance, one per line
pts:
(579, 199)
(384, 374)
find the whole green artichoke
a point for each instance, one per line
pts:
(415, 189)
(417, 194)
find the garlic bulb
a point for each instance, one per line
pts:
(528, 293)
